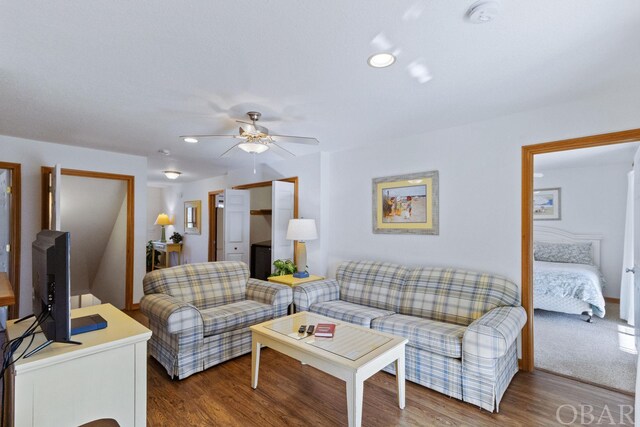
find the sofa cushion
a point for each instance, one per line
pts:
(349, 312)
(371, 283)
(454, 296)
(237, 315)
(430, 335)
(203, 285)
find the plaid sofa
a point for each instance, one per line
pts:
(200, 313)
(462, 326)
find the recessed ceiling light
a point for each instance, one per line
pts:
(172, 174)
(381, 60)
(190, 139)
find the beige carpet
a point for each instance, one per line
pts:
(602, 352)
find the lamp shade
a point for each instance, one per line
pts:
(253, 147)
(163, 219)
(302, 229)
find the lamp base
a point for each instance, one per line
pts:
(301, 274)
(163, 238)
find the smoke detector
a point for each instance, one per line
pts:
(483, 11)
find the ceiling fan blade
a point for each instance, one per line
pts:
(245, 122)
(282, 152)
(229, 152)
(301, 139)
(206, 136)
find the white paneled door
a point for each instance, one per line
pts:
(236, 225)
(282, 203)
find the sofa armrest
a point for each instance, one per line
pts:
(280, 296)
(313, 292)
(176, 316)
(490, 336)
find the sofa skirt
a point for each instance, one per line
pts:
(440, 373)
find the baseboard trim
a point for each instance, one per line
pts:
(612, 300)
(135, 306)
(519, 364)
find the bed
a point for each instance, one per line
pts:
(566, 273)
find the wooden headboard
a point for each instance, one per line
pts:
(555, 235)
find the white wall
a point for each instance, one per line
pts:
(480, 191)
(306, 168)
(155, 206)
(109, 283)
(34, 154)
(593, 200)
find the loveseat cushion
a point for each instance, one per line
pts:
(237, 315)
(349, 312)
(204, 285)
(455, 296)
(444, 339)
(371, 283)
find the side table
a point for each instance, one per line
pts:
(167, 248)
(289, 280)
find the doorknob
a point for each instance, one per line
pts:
(630, 270)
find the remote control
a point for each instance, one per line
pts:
(310, 329)
(302, 329)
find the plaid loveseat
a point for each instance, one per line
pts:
(461, 326)
(200, 313)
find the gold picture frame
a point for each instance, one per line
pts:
(192, 214)
(406, 204)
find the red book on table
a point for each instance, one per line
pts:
(325, 330)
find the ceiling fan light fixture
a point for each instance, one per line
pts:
(253, 147)
(381, 60)
(190, 140)
(172, 174)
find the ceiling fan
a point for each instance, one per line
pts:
(256, 139)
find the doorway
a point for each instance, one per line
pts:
(260, 218)
(528, 153)
(10, 214)
(124, 212)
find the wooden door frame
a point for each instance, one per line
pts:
(130, 231)
(528, 153)
(15, 218)
(212, 212)
(213, 232)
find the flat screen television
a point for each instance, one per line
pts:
(50, 254)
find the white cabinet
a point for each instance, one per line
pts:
(69, 385)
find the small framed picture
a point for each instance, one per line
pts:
(546, 204)
(406, 204)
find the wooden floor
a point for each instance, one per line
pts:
(292, 394)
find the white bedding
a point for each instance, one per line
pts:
(581, 282)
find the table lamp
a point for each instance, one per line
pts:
(301, 230)
(162, 220)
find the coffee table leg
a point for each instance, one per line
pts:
(354, 401)
(400, 379)
(255, 361)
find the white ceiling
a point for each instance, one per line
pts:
(132, 76)
(584, 157)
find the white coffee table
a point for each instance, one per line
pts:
(353, 354)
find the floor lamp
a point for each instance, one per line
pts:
(301, 230)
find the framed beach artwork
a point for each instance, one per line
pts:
(406, 204)
(546, 204)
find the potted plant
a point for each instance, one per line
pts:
(176, 237)
(283, 267)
